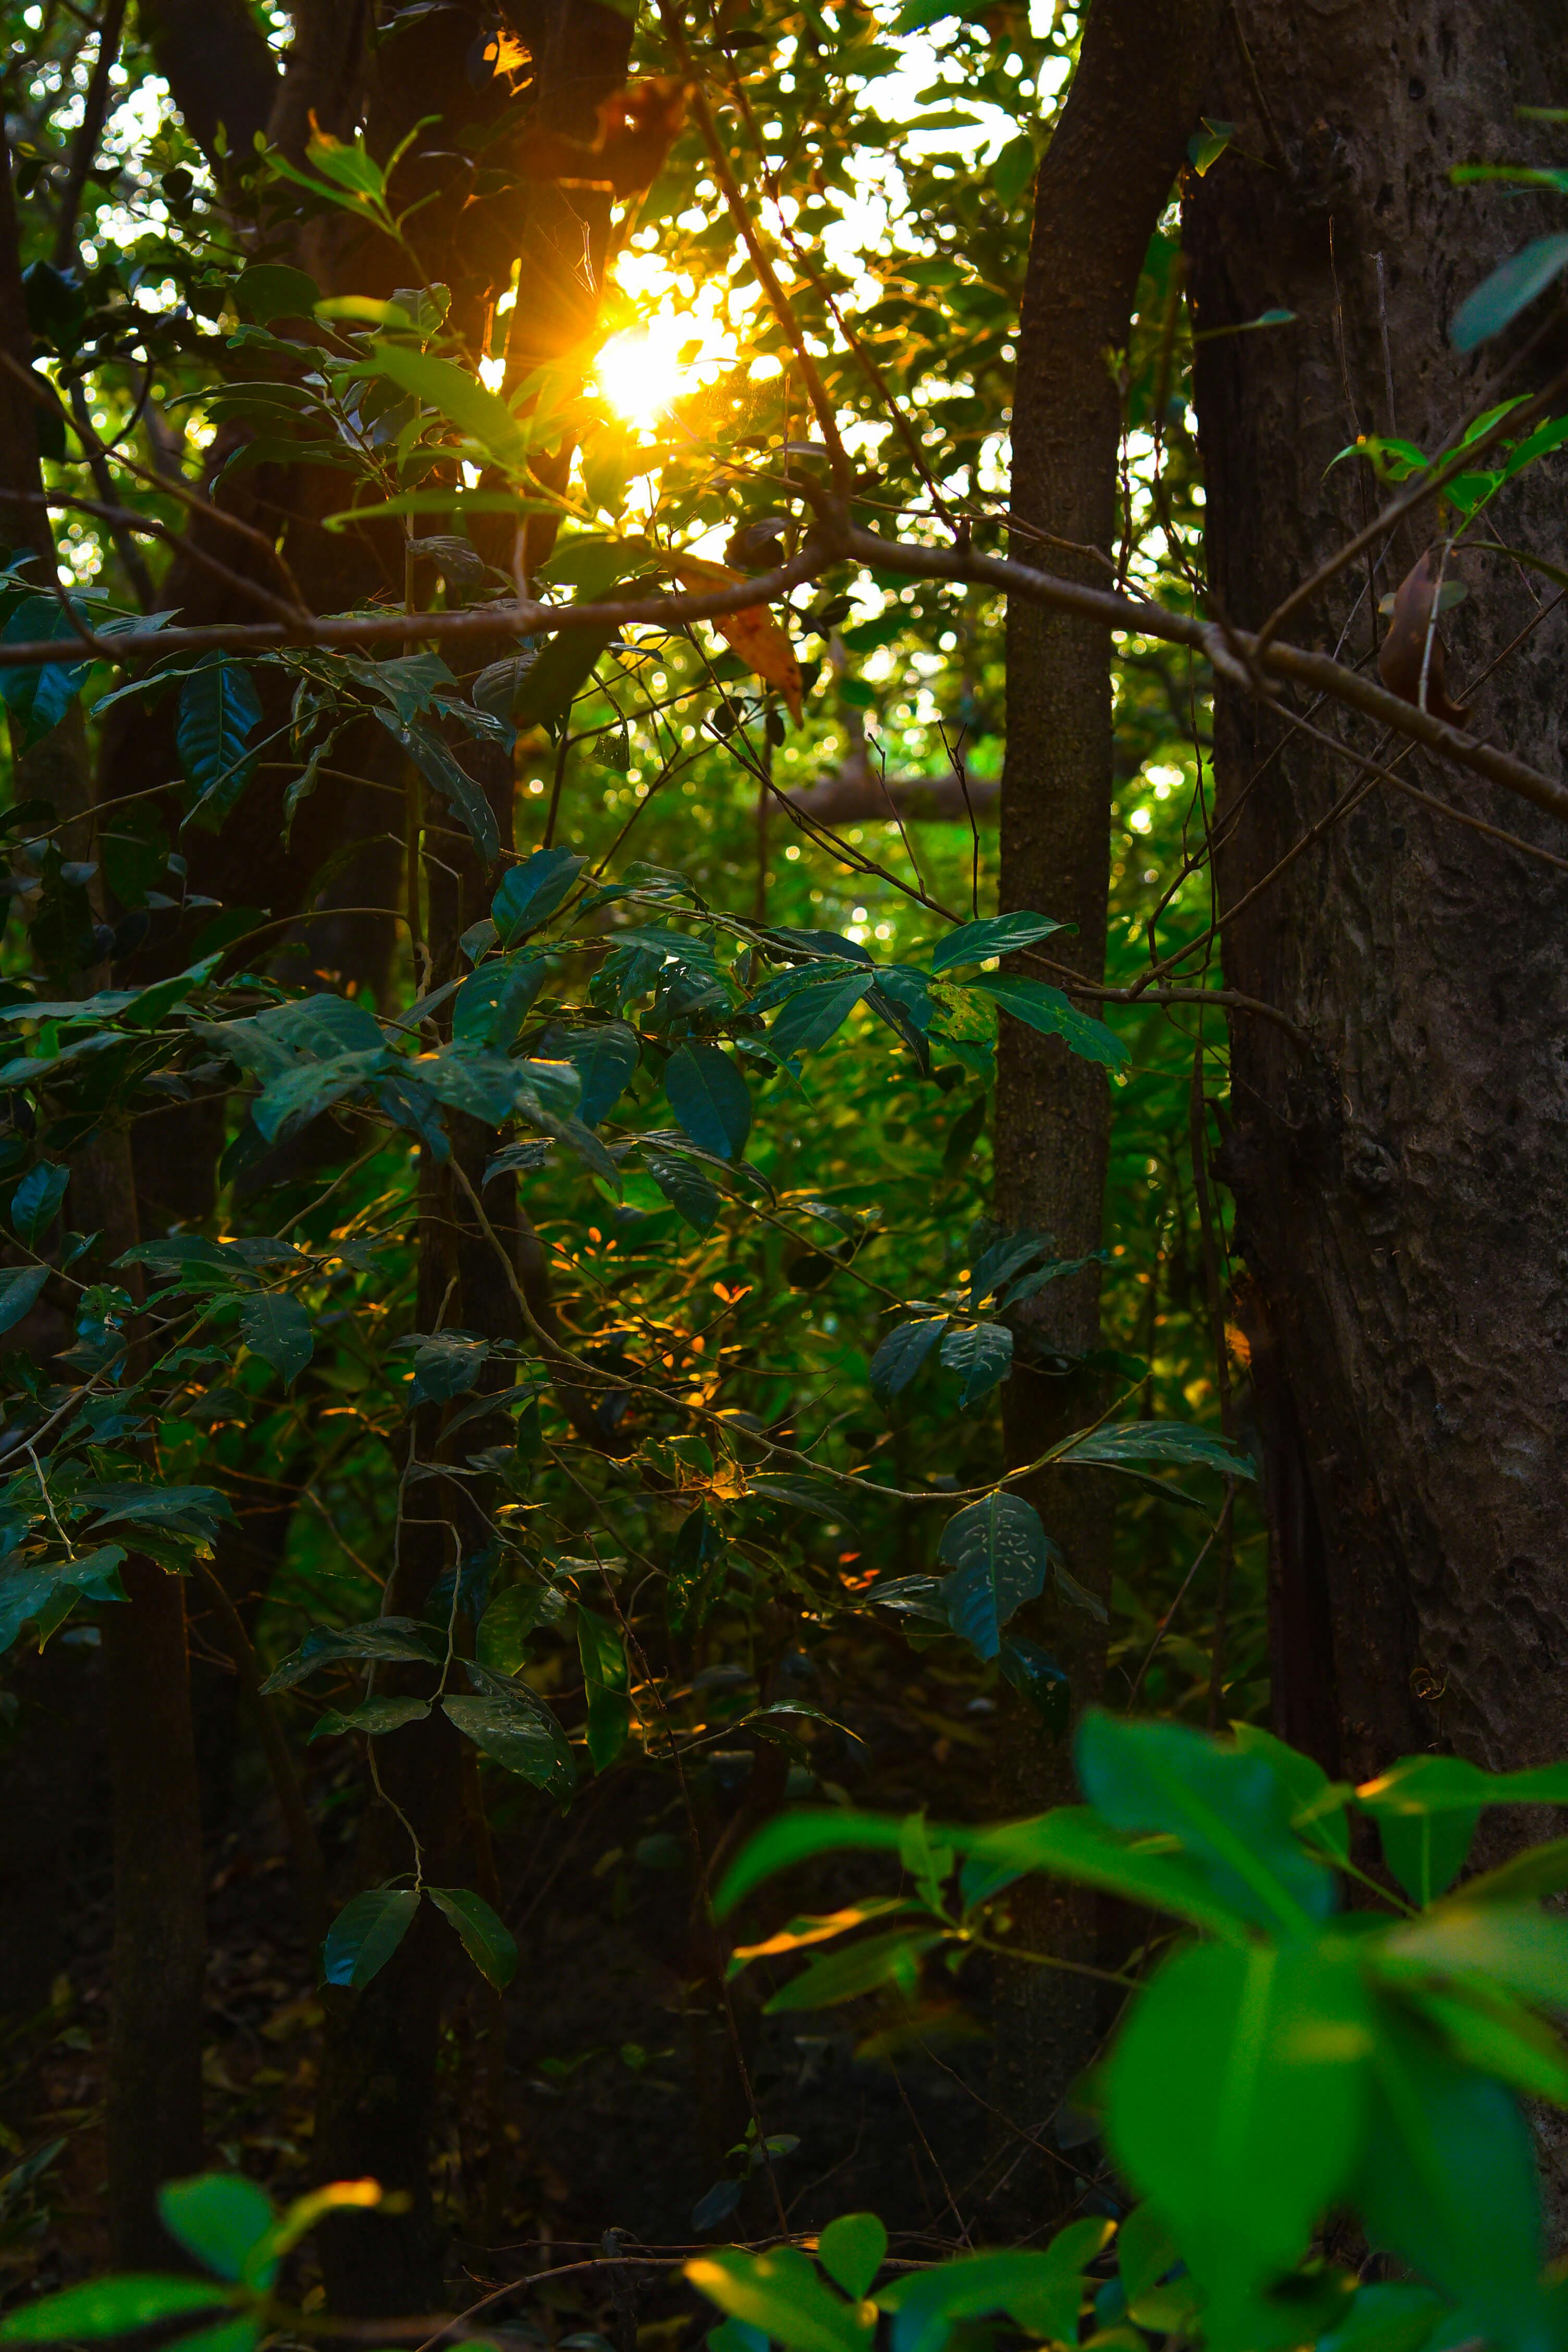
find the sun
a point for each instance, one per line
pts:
(639, 372)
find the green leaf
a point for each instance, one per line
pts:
(276, 1327)
(1236, 2101)
(448, 1365)
(219, 712)
(520, 1733)
(997, 1550)
(553, 681)
(709, 1096)
(37, 700)
(1522, 1951)
(20, 1286)
(271, 289)
(796, 1837)
(1448, 2185)
(460, 398)
(1317, 1805)
(502, 1641)
(603, 1657)
(1206, 146)
(1498, 2037)
(892, 1957)
(491, 1006)
(1073, 1843)
(1118, 1445)
(782, 2294)
(1035, 1675)
(982, 1355)
(1384, 2317)
(219, 2217)
(530, 893)
(289, 1103)
(1426, 1809)
(440, 767)
(486, 1940)
(1510, 288)
(1041, 2292)
(36, 1201)
(852, 2249)
(1540, 1870)
(1047, 1010)
(901, 1355)
(813, 1012)
(997, 935)
(605, 1059)
(1014, 169)
(1227, 1809)
(365, 1934)
(112, 2306)
(373, 1718)
(694, 1197)
(394, 1639)
(1145, 2251)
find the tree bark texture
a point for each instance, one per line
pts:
(1400, 1183)
(1106, 179)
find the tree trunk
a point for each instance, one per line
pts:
(1400, 1183)
(154, 2101)
(1107, 177)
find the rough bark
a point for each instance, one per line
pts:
(1106, 178)
(1401, 1184)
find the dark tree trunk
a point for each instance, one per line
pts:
(1399, 1183)
(154, 2100)
(1107, 177)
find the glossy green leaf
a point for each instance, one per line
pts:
(37, 700)
(20, 1288)
(365, 1934)
(1228, 1810)
(606, 1060)
(276, 1327)
(373, 1719)
(1520, 1950)
(219, 712)
(709, 1096)
(996, 935)
(907, 1346)
(813, 1014)
(35, 1204)
(981, 1355)
(219, 2217)
(997, 1550)
(608, 1683)
(480, 414)
(695, 1198)
(1156, 1443)
(441, 768)
(795, 1837)
(486, 1939)
(518, 1732)
(1047, 1010)
(530, 893)
(1236, 2103)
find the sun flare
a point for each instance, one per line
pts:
(639, 371)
